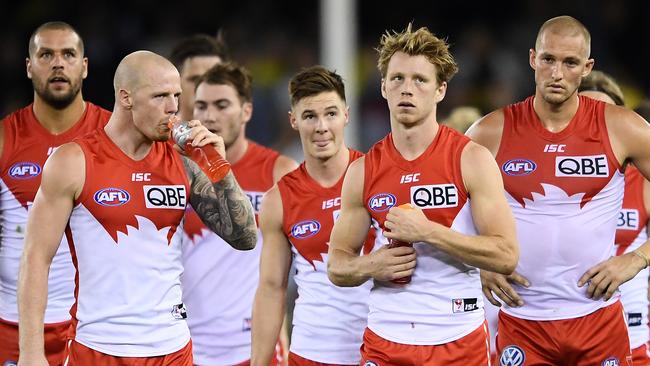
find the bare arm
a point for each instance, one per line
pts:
(345, 267)
(495, 248)
(223, 207)
(270, 298)
(487, 131)
(62, 180)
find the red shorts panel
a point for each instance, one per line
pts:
(295, 360)
(593, 339)
(473, 349)
(79, 355)
(641, 356)
(54, 336)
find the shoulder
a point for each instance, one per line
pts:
(271, 210)
(283, 165)
(65, 169)
(487, 131)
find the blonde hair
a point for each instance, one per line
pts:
(601, 82)
(414, 43)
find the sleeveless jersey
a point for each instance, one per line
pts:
(125, 238)
(27, 144)
(328, 321)
(219, 282)
(565, 190)
(443, 301)
(631, 233)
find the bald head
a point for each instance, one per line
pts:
(140, 69)
(566, 26)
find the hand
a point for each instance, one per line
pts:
(388, 264)
(201, 136)
(408, 224)
(37, 359)
(497, 284)
(605, 277)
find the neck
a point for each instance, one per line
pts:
(121, 130)
(412, 141)
(237, 150)
(329, 171)
(556, 117)
(57, 121)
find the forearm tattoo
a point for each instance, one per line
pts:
(223, 207)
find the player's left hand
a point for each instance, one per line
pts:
(605, 277)
(201, 136)
(408, 224)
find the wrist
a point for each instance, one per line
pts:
(643, 258)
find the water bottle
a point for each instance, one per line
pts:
(206, 157)
(394, 243)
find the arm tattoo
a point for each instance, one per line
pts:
(223, 207)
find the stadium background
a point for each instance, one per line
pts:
(274, 39)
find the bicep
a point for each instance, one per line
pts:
(275, 260)
(490, 210)
(351, 228)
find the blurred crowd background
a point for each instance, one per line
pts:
(274, 39)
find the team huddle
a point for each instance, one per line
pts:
(118, 247)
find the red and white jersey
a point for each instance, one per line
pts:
(443, 302)
(27, 144)
(565, 190)
(631, 233)
(125, 238)
(219, 282)
(328, 321)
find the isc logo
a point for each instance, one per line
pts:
(554, 147)
(334, 202)
(256, 200)
(581, 166)
(140, 177)
(627, 219)
(305, 229)
(112, 197)
(173, 197)
(24, 170)
(408, 178)
(434, 196)
(518, 167)
(381, 202)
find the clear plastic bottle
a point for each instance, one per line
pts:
(394, 243)
(206, 157)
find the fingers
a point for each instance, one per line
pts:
(519, 279)
(597, 286)
(506, 293)
(488, 295)
(588, 275)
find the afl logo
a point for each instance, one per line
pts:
(24, 170)
(381, 202)
(612, 361)
(519, 167)
(112, 197)
(305, 229)
(512, 356)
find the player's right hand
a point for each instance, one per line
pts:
(500, 285)
(392, 263)
(37, 359)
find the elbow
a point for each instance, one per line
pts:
(510, 258)
(245, 242)
(336, 276)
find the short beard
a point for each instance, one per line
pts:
(54, 101)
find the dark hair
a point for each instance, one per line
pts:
(315, 80)
(55, 25)
(199, 45)
(601, 82)
(231, 74)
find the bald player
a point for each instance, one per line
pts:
(562, 158)
(123, 228)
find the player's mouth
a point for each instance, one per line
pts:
(58, 80)
(406, 105)
(321, 143)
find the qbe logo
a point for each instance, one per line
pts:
(256, 199)
(594, 166)
(519, 167)
(512, 356)
(172, 196)
(627, 219)
(24, 170)
(434, 196)
(612, 361)
(112, 197)
(382, 202)
(305, 229)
